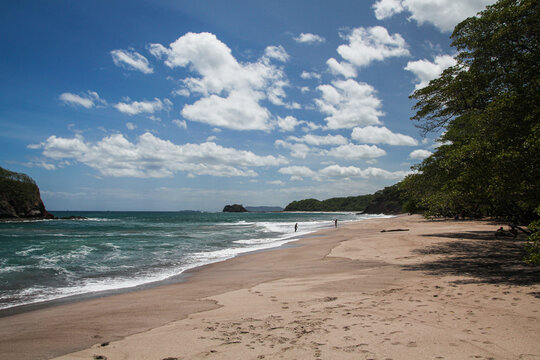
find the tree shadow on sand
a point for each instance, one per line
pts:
(481, 256)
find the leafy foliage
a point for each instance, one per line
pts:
(532, 247)
(488, 163)
(386, 201)
(16, 186)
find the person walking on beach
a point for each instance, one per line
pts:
(335, 223)
(295, 227)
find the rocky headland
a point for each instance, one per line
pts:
(20, 198)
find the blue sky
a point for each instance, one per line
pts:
(170, 105)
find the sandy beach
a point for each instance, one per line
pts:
(441, 290)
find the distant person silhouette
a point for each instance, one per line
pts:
(295, 227)
(335, 223)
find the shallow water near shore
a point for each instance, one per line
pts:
(47, 260)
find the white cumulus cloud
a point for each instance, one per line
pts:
(139, 107)
(342, 172)
(355, 152)
(288, 123)
(371, 44)
(341, 68)
(87, 100)
(444, 14)
(336, 171)
(231, 92)
(381, 135)
(309, 75)
(276, 52)
(318, 140)
(276, 182)
(309, 38)
(426, 70)
(298, 172)
(297, 150)
(180, 123)
(348, 104)
(152, 157)
(387, 8)
(131, 60)
(420, 154)
(238, 111)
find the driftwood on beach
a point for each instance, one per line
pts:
(394, 230)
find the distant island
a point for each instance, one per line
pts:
(234, 208)
(386, 201)
(263, 208)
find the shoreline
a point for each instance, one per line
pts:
(333, 269)
(175, 279)
(277, 243)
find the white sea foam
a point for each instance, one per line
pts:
(79, 253)
(112, 246)
(96, 219)
(13, 268)
(27, 251)
(39, 294)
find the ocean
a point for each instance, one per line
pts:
(48, 260)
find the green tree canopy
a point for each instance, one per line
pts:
(488, 104)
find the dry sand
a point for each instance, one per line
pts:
(442, 290)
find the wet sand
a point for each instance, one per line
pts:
(443, 289)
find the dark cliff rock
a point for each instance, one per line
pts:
(234, 208)
(20, 198)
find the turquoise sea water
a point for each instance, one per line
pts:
(52, 259)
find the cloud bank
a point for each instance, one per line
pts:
(152, 157)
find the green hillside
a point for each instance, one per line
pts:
(351, 203)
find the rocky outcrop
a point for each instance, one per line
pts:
(20, 198)
(234, 208)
